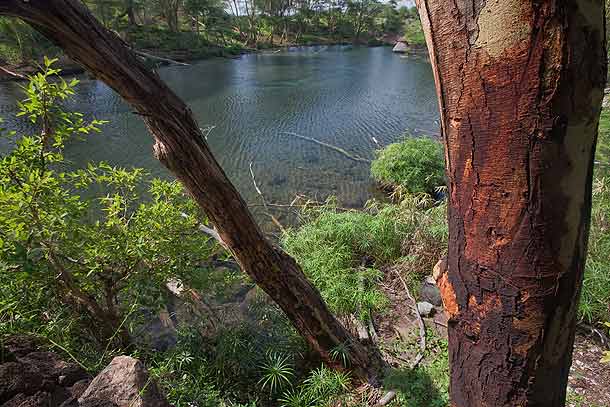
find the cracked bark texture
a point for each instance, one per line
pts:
(181, 147)
(520, 85)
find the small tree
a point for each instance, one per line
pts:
(100, 254)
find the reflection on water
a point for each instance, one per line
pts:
(341, 95)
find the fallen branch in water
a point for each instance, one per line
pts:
(420, 321)
(150, 56)
(273, 218)
(11, 73)
(330, 146)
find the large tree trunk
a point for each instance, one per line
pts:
(520, 83)
(181, 147)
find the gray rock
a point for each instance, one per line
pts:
(125, 383)
(425, 309)
(430, 293)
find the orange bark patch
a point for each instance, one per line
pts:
(448, 295)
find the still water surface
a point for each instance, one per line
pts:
(341, 95)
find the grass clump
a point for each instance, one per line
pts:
(414, 165)
(343, 252)
(595, 299)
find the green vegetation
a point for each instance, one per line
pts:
(193, 29)
(595, 300)
(96, 247)
(19, 42)
(85, 240)
(414, 34)
(414, 165)
(427, 385)
(344, 252)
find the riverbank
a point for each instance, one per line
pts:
(162, 57)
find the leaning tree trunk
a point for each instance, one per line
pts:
(181, 147)
(520, 83)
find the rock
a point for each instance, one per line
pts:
(75, 392)
(125, 383)
(19, 345)
(16, 378)
(79, 388)
(425, 309)
(38, 399)
(53, 369)
(400, 47)
(430, 293)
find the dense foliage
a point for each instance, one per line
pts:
(98, 242)
(190, 29)
(414, 165)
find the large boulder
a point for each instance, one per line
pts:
(18, 345)
(38, 399)
(125, 382)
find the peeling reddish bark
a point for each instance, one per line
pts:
(181, 147)
(520, 84)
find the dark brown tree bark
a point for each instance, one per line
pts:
(181, 147)
(520, 84)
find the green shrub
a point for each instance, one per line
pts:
(414, 33)
(343, 252)
(414, 165)
(92, 245)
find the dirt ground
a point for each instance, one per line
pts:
(589, 382)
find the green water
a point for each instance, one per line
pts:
(341, 95)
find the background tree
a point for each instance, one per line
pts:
(520, 85)
(362, 14)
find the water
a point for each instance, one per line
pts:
(340, 95)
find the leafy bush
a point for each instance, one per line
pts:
(85, 242)
(414, 165)
(414, 33)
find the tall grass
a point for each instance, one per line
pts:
(344, 252)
